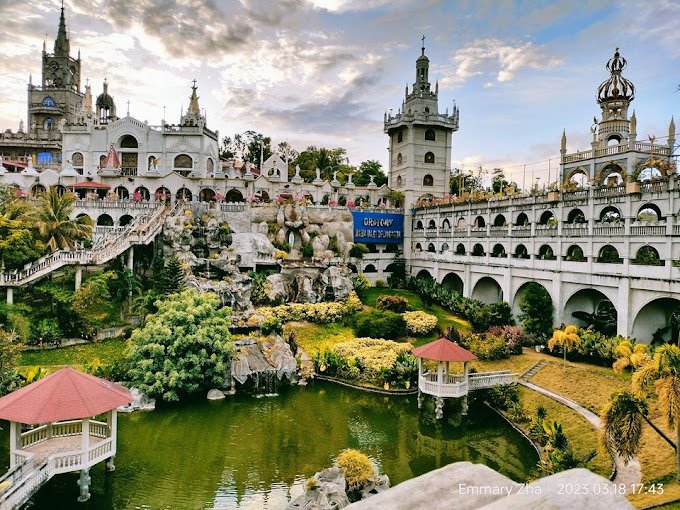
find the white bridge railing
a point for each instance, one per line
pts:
(106, 248)
(455, 385)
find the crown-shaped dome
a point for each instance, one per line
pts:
(616, 87)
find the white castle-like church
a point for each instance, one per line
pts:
(607, 237)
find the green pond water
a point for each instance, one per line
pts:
(247, 452)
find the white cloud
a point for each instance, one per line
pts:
(494, 59)
(340, 6)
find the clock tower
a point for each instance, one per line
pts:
(59, 96)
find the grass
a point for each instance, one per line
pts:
(315, 338)
(581, 434)
(107, 351)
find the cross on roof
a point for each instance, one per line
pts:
(423, 48)
(194, 83)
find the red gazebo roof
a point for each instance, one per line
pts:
(67, 394)
(443, 350)
(89, 185)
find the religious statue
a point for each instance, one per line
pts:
(318, 174)
(291, 238)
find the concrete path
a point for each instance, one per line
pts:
(626, 473)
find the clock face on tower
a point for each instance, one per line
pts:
(54, 65)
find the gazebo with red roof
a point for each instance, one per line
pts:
(53, 430)
(442, 384)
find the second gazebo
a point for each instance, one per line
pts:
(442, 384)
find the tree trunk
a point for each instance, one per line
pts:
(564, 348)
(660, 432)
(677, 450)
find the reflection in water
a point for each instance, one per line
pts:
(250, 453)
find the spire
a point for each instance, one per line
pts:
(194, 109)
(563, 142)
(633, 124)
(671, 133)
(422, 54)
(61, 44)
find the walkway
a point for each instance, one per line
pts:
(626, 473)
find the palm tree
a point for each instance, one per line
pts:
(622, 419)
(664, 371)
(567, 339)
(12, 205)
(53, 223)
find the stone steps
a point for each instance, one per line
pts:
(532, 370)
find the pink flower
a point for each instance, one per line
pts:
(350, 204)
(219, 196)
(333, 203)
(136, 196)
(280, 199)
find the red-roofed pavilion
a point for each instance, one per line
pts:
(442, 384)
(62, 435)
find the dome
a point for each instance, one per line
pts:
(104, 100)
(616, 87)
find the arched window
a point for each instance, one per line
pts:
(613, 140)
(445, 247)
(128, 142)
(478, 250)
(431, 248)
(427, 110)
(610, 215)
(548, 218)
(233, 195)
(522, 220)
(479, 222)
(429, 157)
(446, 224)
(431, 224)
(102, 161)
(400, 136)
(48, 101)
(499, 251)
(428, 180)
(210, 166)
(184, 161)
(399, 181)
(141, 193)
(370, 268)
(545, 252)
(575, 254)
(609, 255)
(499, 221)
(49, 124)
(419, 247)
(419, 225)
(77, 161)
(576, 216)
(521, 252)
(400, 159)
(649, 212)
(460, 249)
(184, 194)
(648, 256)
(122, 192)
(430, 135)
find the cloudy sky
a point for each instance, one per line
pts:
(323, 72)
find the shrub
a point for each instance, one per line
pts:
(330, 363)
(420, 323)
(307, 251)
(404, 372)
(358, 250)
(486, 346)
(536, 311)
(373, 356)
(360, 283)
(380, 284)
(271, 325)
(20, 326)
(357, 467)
(514, 337)
(396, 304)
(46, 331)
(379, 324)
(320, 313)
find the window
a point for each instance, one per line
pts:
(128, 142)
(210, 166)
(102, 161)
(399, 182)
(427, 110)
(49, 124)
(400, 159)
(429, 157)
(48, 101)
(428, 180)
(400, 136)
(77, 159)
(183, 161)
(430, 135)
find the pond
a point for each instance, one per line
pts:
(247, 452)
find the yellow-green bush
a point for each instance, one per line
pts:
(372, 354)
(419, 323)
(357, 467)
(312, 312)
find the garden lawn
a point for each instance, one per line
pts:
(591, 386)
(445, 318)
(581, 434)
(314, 338)
(107, 351)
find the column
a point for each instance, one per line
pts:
(79, 277)
(10, 296)
(112, 422)
(624, 324)
(14, 441)
(84, 480)
(131, 259)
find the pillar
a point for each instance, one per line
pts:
(464, 406)
(79, 277)
(624, 323)
(14, 441)
(84, 484)
(112, 422)
(10, 296)
(131, 258)
(438, 408)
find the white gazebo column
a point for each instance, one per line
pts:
(112, 422)
(420, 374)
(464, 403)
(79, 276)
(84, 481)
(439, 401)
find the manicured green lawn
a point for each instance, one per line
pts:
(315, 338)
(107, 351)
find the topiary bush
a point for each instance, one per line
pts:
(357, 467)
(396, 304)
(419, 323)
(358, 250)
(379, 324)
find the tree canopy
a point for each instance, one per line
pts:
(183, 348)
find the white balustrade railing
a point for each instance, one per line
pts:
(33, 436)
(483, 380)
(608, 230)
(99, 429)
(648, 229)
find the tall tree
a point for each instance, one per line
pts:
(367, 169)
(536, 311)
(326, 160)
(567, 340)
(17, 243)
(53, 223)
(286, 152)
(250, 146)
(10, 351)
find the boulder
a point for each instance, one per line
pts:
(249, 246)
(334, 283)
(215, 394)
(263, 228)
(277, 288)
(140, 402)
(318, 247)
(328, 494)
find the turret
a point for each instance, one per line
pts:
(62, 46)
(671, 135)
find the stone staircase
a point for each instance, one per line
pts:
(532, 370)
(141, 231)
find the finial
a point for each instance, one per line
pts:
(423, 48)
(128, 108)
(194, 86)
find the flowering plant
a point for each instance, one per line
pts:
(332, 203)
(419, 323)
(350, 204)
(136, 196)
(219, 196)
(252, 199)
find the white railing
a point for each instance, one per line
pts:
(428, 384)
(608, 230)
(575, 229)
(648, 229)
(33, 436)
(99, 429)
(483, 380)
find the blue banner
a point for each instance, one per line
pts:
(375, 227)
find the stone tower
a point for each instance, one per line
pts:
(420, 140)
(614, 96)
(59, 96)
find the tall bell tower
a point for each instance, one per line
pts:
(420, 139)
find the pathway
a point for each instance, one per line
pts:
(626, 473)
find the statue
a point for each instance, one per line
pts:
(335, 175)
(297, 170)
(291, 238)
(318, 174)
